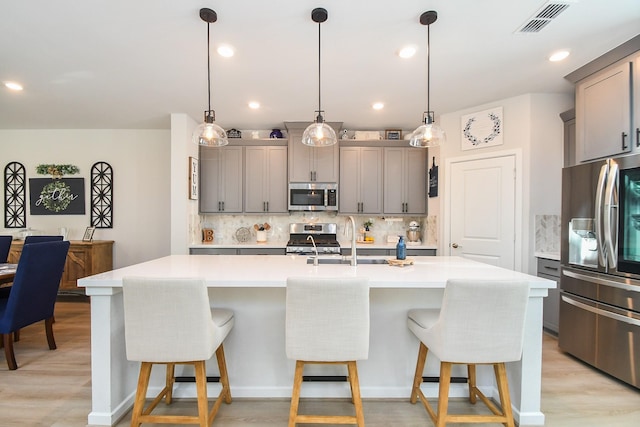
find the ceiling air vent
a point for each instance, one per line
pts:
(548, 12)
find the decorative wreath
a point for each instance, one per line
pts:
(497, 125)
(57, 170)
(55, 196)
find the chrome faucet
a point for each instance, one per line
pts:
(315, 259)
(354, 261)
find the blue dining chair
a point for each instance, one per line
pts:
(5, 245)
(33, 293)
(41, 239)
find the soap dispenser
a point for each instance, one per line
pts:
(401, 249)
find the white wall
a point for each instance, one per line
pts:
(141, 173)
(532, 124)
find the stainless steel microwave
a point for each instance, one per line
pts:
(313, 196)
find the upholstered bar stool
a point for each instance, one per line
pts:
(170, 321)
(327, 322)
(480, 322)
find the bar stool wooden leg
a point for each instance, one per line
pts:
(201, 386)
(443, 394)
(169, 379)
(141, 392)
(224, 377)
(503, 390)
(295, 396)
(355, 392)
(417, 378)
(471, 372)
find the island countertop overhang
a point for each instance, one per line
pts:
(269, 271)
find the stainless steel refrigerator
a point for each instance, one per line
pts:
(600, 256)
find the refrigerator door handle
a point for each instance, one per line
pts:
(598, 214)
(601, 312)
(611, 215)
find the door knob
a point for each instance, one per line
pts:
(454, 245)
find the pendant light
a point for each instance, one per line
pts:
(319, 134)
(429, 134)
(208, 133)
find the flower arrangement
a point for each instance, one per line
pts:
(57, 170)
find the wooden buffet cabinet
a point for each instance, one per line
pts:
(83, 259)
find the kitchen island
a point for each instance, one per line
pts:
(254, 288)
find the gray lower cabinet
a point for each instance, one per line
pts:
(550, 269)
(265, 179)
(405, 180)
(387, 252)
(360, 188)
(220, 179)
(237, 251)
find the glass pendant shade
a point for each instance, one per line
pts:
(427, 135)
(319, 134)
(210, 135)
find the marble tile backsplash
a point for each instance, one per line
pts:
(226, 226)
(547, 229)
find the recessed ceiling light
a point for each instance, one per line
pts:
(13, 85)
(226, 51)
(378, 106)
(254, 105)
(407, 52)
(558, 55)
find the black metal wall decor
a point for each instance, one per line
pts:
(56, 196)
(102, 195)
(15, 195)
(433, 179)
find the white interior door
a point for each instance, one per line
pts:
(482, 210)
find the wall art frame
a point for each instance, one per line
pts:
(482, 129)
(193, 178)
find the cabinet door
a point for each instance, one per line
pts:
(265, 179)
(370, 180)
(255, 173)
(325, 163)
(394, 177)
(300, 158)
(603, 113)
(221, 179)
(416, 181)
(349, 180)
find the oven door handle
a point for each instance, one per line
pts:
(601, 312)
(601, 281)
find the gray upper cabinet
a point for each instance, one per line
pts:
(603, 113)
(405, 180)
(361, 180)
(220, 179)
(265, 179)
(311, 164)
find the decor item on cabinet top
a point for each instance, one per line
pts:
(319, 134)
(276, 134)
(393, 134)
(344, 134)
(482, 129)
(208, 133)
(57, 171)
(234, 133)
(367, 134)
(429, 134)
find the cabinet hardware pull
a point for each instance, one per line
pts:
(454, 245)
(637, 137)
(223, 206)
(267, 206)
(624, 137)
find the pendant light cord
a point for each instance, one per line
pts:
(428, 71)
(208, 66)
(319, 73)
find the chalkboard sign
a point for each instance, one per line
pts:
(64, 196)
(433, 180)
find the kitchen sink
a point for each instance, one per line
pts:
(347, 261)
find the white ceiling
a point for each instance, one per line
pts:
(130, 64)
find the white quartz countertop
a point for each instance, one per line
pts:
(282, 245)
(554, 256)
(268, 271)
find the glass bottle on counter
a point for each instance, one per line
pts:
(401, 249)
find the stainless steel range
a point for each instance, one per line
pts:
(324, 235)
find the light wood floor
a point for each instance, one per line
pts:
(53, 388)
